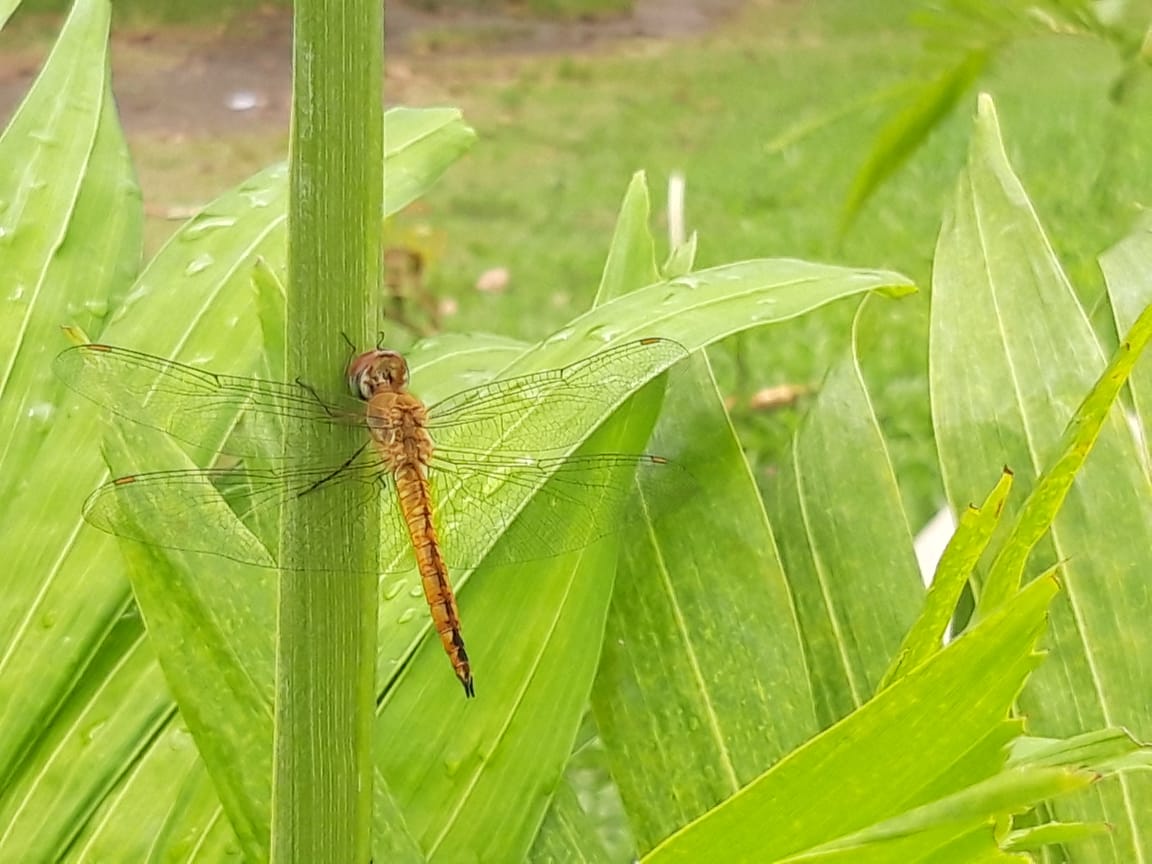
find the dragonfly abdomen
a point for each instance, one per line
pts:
(416, 502)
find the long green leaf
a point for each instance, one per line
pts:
(956, 567)
(937, 731)
(1012, 354)
(71, 229)
(846, 545)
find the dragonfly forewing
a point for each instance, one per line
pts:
(549, 411)
(219, 413)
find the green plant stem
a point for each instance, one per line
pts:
(326, 626)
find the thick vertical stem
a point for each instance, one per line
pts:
(322, 788)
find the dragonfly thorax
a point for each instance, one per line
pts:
(377, 371)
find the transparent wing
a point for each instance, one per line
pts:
(542, 412)
(234, 513)
(547, 411)
(198, 407)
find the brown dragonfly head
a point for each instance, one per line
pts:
(377, 371)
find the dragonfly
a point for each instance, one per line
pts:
(451, 478)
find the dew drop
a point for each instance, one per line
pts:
(416, 591)
(406, 616)
(603, 332)
(206, 225)
(390, 591)
(41, 412)
(92, 732)
(560, 336)
(260, 198)
(199, 264)
(48, 620)
(97, 307)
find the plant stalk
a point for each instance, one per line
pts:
(326, 621)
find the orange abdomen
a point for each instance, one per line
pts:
(416, 504)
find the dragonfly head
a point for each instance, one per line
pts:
(377, 371)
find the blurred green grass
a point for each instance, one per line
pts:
(559, 137)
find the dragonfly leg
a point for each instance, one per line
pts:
(328, 478)
(300, 382)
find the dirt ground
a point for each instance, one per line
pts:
(237, 77)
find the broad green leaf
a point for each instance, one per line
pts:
(462, 360)
(934, 733)
(268, 289)
(201, 618)
(1010, 791)
(945, 844)
(1012, 355)
(603, 823)
(70, 228)
(136, 822)
(956, 567)
(724, 700)
(706, 306)
(846, 545)
(1103, 752)
(88, 752)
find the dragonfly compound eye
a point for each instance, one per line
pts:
(376, 371)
